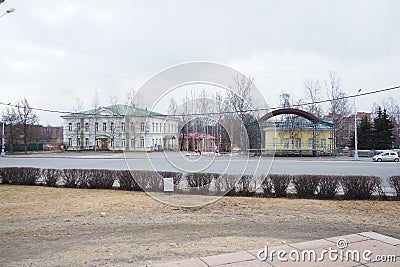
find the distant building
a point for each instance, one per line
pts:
(120, 127)
(345, 130)
(299, 136)
(39, 137)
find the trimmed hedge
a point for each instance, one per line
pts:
(306, 186)
(394, 182)
(273, 185)
(19, 175)
(226, 184)
(199, 183)
(51, 176)
(360, 187)
(328, 187)
(280, 183)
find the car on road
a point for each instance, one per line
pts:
(386, 156)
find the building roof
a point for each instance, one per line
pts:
(118, 110)
(302, 123)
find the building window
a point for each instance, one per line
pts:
(156, 126)
(70, 141)
(123, 142)
(78, 142)
(132, 142)
(323, 143)
(112, 143)
(153, 127)
(86, 127)
(310, 143)
(275, 143)
(142, 126)
(112, 127)
(86, 142)
(97, 142)
(78, 126)
(96, 126)
(70, 127)
(104, 126)
(133, 126)
(286, 143)
(141, 141)
(298, 143)
(123, 126)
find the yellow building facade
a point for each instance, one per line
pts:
(299, 137)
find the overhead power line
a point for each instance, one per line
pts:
(224, 112)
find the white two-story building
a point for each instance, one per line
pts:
(120, 127)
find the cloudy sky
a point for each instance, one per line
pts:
(53, 52)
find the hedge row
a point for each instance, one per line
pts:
(273, 185)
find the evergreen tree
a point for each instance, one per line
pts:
(382, 137)
(364, 134)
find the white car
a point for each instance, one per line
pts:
(386, 156)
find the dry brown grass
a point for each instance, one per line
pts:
(63, 227)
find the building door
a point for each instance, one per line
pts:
(104, 144)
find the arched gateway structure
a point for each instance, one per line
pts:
(294, 111)
(304, 134)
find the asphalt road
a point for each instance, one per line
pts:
(175, 161)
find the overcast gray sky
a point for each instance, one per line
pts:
(52, 52)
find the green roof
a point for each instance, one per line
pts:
(118, 110)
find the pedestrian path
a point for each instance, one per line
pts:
(361, 249)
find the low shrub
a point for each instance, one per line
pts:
(20, 175)
(266, 186)
(126, 180)
(243, 186)
(394, 182)
(328, 186)
(99, 179)
(280, 183)
(75, 178)
(199, 183)
(6, 174)
(177, 176)
(149, 180)
(360, 187)
(51, 176)
(226, 184)
(306, 185)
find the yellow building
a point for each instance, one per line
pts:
(299, 136)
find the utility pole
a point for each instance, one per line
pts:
(3, 136)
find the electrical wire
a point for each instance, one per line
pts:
(223, 112)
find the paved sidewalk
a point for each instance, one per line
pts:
(362, 249)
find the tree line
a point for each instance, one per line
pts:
(19, 120)
(375, 134)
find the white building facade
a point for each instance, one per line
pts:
(120, 128)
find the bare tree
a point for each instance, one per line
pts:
(112, 122)
(78, 122)
(10, 118)
(339, 108)
(135, 99)
(27, 118)
(137, 125)
(94, 116)
(173, 107)
(313, 94)
(241, 102)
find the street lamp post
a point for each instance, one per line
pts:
(355, 127)
(3, 153)
(8, 11)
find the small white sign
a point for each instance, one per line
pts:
(168, 184)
